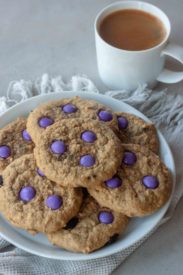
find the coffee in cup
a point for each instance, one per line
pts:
(132, 30)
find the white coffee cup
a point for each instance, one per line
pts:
(120, 69)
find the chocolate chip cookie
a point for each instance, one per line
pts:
(15, 141)
(75, 107)
(92, 228)
(32, 202)
(133, 129)
(78, 152)
(141, 185)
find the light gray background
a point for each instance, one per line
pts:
(56, 36)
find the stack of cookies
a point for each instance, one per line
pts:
(76, 171)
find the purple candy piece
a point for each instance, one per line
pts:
(105, 217)
(87, 160)
(122, 122)
(69, 108)
(88, 136)
(54, 202)
(5, 151)
(26, 135)
(27, 193)
(105, 115)
(40, 173)
(58, 147)
(45, 122)
(150, 182)
(129, 158)
(114, 182)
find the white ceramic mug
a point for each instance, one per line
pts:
(128, 69)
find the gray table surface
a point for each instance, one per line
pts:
(56, 37)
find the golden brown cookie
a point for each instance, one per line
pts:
(78, 152)
(133, 129)
(75, 107)
(32, 202)
(15, 141)
(141, 185)
(91, 229)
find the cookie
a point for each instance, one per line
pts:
(141, 185)
(133, 129)
(75, 107)
(91, 229)
(15, 141)
(78, 152)
(32, 202)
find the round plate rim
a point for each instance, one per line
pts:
(114, 249)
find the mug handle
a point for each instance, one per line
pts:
(168, 76)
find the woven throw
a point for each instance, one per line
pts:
(162, 107)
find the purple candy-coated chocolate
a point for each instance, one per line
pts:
(105, 217)
(150, 182)
(45, 122)
(40, 173)
(5, 151)
(54, 202)
(88, 136)
(114, 182)
(87, 160)
(26, 135)
(69, 108)
(58, 147)
(27, 193)
(122, 122)
(105, 115)
(129, 158)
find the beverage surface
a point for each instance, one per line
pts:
(132, 30)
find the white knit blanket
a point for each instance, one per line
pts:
(163, 108)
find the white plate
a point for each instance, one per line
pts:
(138, 227)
